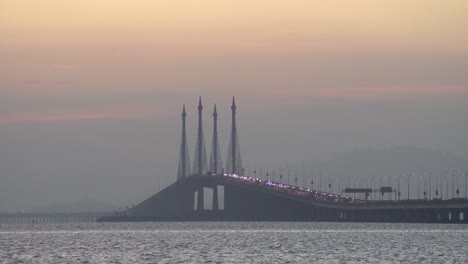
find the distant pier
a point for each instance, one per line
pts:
(24, 218)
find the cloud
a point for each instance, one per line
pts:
(65, 116)
(372, 92)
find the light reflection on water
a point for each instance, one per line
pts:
(233, 242)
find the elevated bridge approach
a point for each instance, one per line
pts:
(252, 199)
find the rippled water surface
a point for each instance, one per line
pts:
(222, 242)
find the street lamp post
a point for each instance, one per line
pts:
(354, 186)
(455, 173)
(424, 185)
(466, 174)
(408, 186)
(419, 187)
(447, 186)
(441, 188)
(319, 188)
(446, 177)
(339, 185)
(453, 184)
(430, 189)
(425, 189)
(399, 193)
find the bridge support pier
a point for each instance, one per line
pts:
(215, 198)
(433, 215)
(443, 215)
(200, 200)
(249, 204)
(455, 216)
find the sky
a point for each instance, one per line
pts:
(91, 90)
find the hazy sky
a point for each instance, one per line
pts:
(91, 90)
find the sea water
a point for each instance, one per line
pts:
(233, 242)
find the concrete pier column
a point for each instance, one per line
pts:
(433, 216)
(455, 215)
(215, 199)
(443, 215)
(465, 215)
(200, 200)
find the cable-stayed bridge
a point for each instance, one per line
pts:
(236, 196)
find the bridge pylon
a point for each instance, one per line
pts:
(216, 165)
(184, 160)
(234, 161)
(200, 164)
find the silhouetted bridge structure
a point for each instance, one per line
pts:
(253, 199)
(248, 198)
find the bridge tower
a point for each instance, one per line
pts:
(234, 162)
(184, 162)
(200, 163)
(216, 164)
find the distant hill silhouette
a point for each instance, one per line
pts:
(393, 162)
(384, 166)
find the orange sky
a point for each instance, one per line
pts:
(122, 47)
(91, 91)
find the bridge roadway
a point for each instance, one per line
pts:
(248, 198)
(329, 200)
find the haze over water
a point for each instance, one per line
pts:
(91, 91)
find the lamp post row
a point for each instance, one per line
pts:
(426, 178)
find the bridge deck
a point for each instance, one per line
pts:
(328, 200)
(249, 198)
